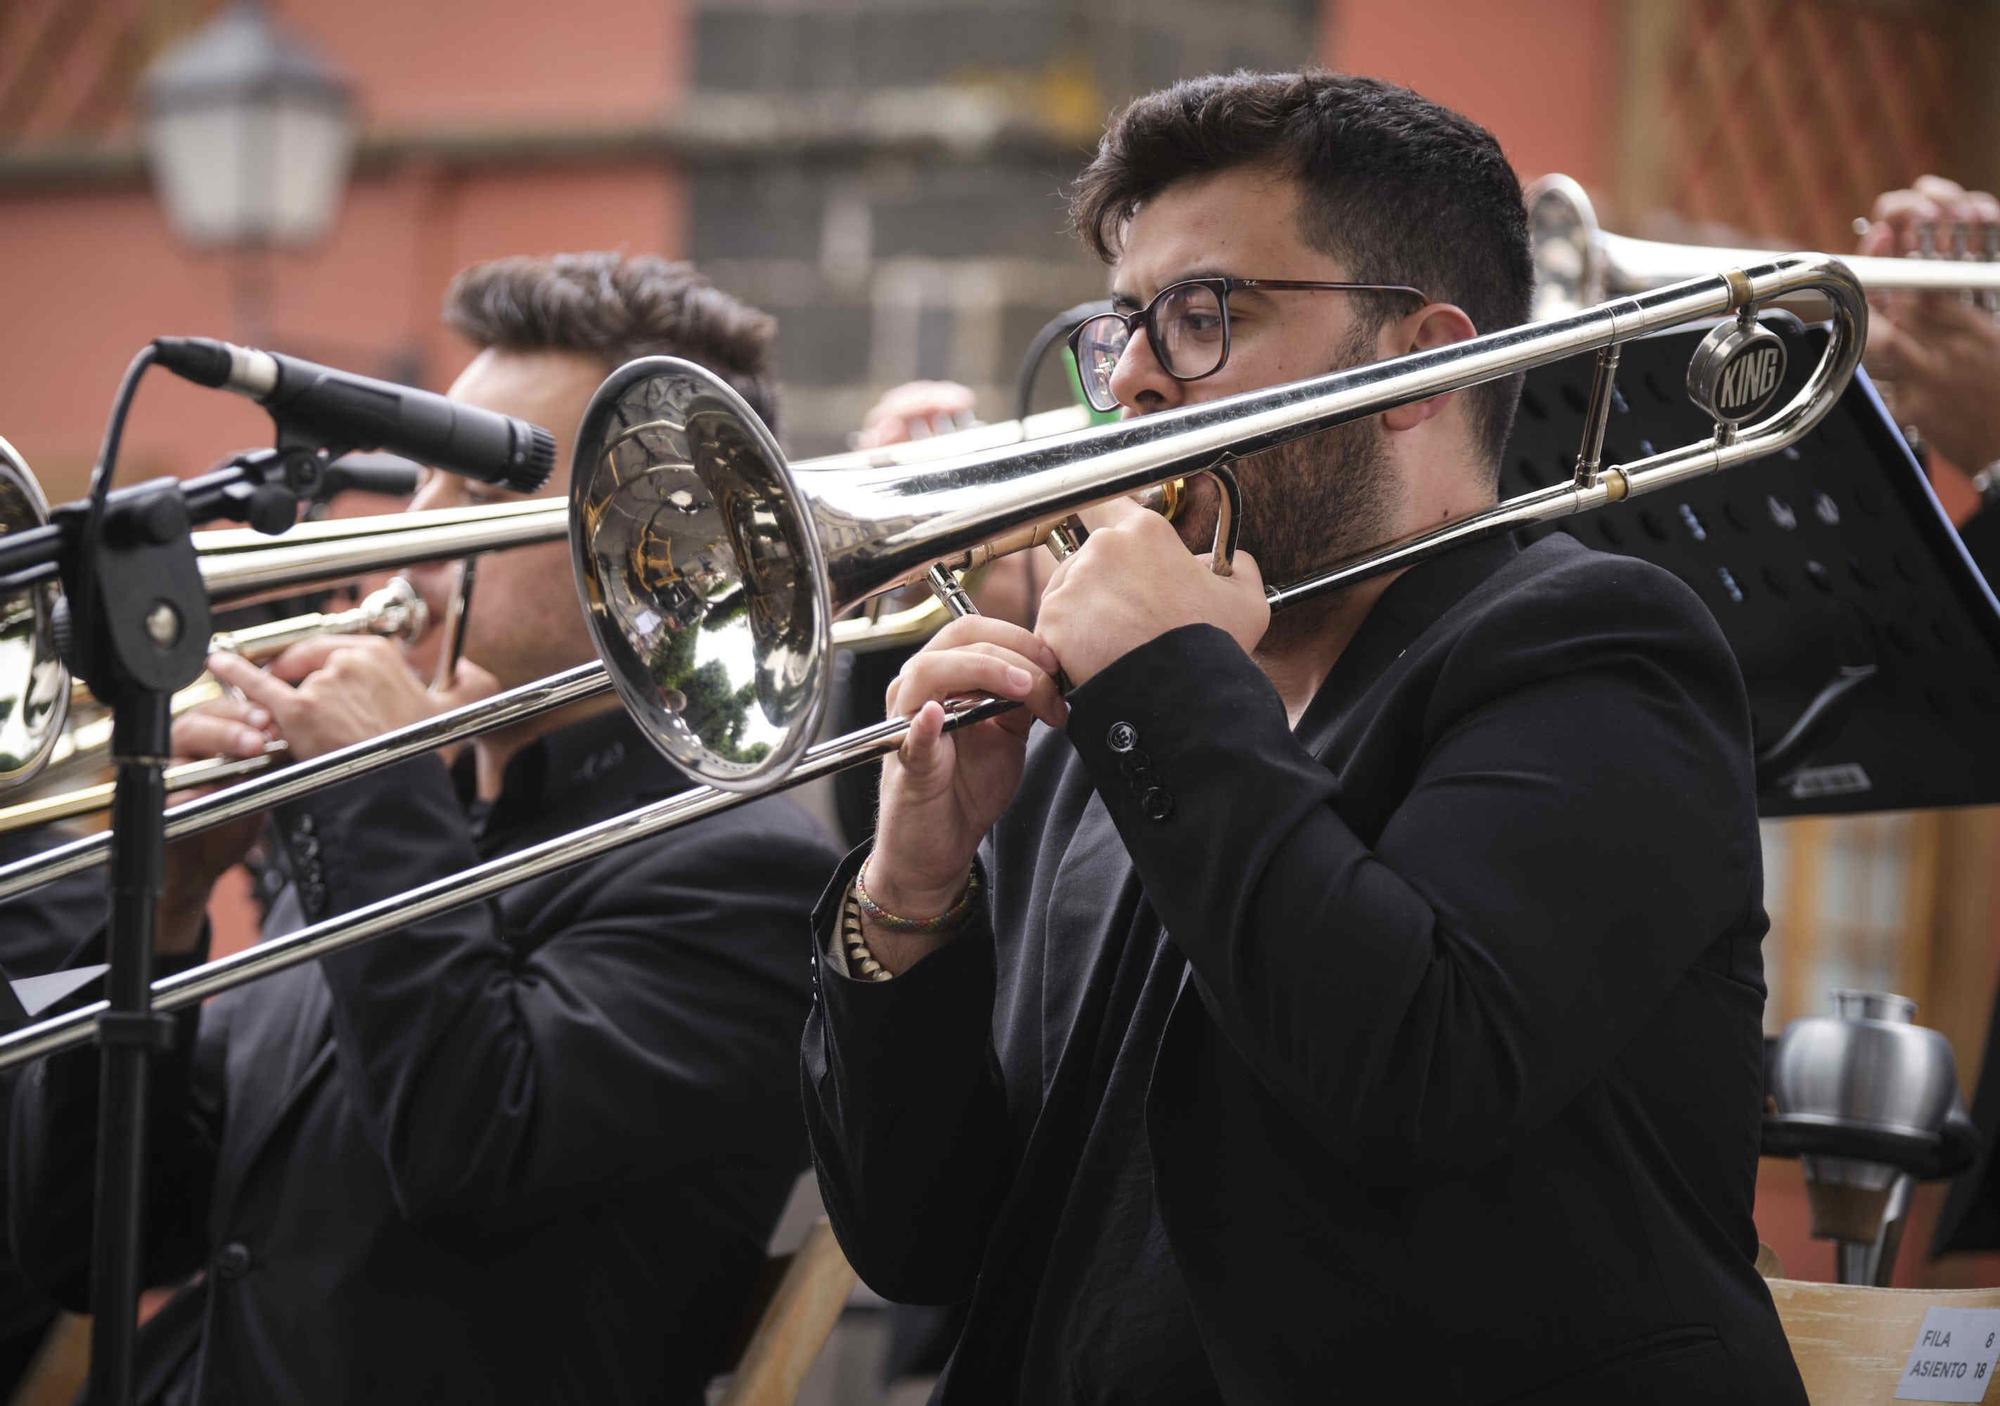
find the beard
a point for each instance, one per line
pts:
(1307, 505)
(1317, 500)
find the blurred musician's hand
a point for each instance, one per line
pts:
(942, 791)
(1938, 353)
(1941, 357)
(1897, 223)
(916, 410)
(228, 728)
(1135, 580)
(338, 690)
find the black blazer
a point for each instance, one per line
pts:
(529, 1151)
(39, 930)
(1459, 1089)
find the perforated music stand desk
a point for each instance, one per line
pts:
(1838, 580)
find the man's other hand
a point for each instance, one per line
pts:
(942, 791)
(1938, 353)
(1133, 581)
(338, 690)
(916, 410)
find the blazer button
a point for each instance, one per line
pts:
(1123, 737)
(232, 1261)
(1136, 767)
(1156, 804)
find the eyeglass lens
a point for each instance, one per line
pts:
(1189, 334)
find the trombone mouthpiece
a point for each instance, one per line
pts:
(1166, 498)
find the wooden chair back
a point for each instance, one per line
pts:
(1851, 1343)
(799, 1314)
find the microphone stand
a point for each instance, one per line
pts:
(134, 624)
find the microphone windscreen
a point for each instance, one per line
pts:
(531, 469)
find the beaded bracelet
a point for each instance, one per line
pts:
(860, 961)
(890, 922)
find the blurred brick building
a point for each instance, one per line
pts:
(884, 175)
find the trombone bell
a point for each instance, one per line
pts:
(34, 710)
(699, 571)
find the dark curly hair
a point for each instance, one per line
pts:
(1397, 187)
(617, 307)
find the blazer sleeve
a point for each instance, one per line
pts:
(904, 1109)
(1578, 828)
(646, 1026)
(52, 1149)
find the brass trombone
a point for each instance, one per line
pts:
(238, 564)
(1578, 262)
(710, 570)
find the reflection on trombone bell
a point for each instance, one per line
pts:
(34, 702)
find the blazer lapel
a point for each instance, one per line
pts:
(1089, 917)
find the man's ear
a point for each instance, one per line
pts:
(1432, 326)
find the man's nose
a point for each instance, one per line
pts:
(1139, 382)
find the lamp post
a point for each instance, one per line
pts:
(248, 133)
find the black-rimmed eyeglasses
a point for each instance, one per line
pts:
(1187, 324)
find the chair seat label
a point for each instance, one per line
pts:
(1953, 1356)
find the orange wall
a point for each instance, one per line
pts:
(1538, 73)
(478, 63)
(88, 275)
(88, 278)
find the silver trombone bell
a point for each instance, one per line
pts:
(33, 714)
(700, 572)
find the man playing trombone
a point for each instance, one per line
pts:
(530, 1151)
(1361, 1002)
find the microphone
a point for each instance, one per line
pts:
(345, 411)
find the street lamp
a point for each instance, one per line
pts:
(248, 133)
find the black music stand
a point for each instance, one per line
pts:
(1868, 638)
